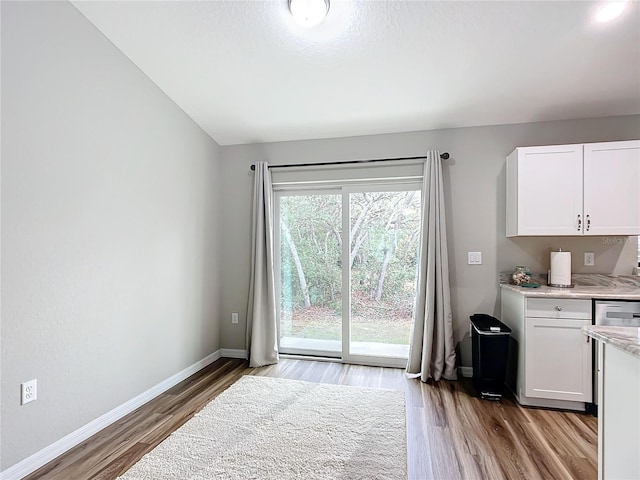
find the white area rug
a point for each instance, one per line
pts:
(271, 428)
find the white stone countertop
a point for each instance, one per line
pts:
(587, 292)
(626, 339)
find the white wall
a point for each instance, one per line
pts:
(110, 274)
(475, 203)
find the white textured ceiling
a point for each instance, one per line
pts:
(246, 72)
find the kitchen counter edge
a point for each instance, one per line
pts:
(578, 292)
(626, 339)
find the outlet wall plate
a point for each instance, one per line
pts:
(589, 259)
(28, 391)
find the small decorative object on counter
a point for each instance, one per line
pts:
(521, 276)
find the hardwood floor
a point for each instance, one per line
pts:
(451, 433)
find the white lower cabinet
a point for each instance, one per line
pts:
(553, 357)
(558, 359)
(618, 414)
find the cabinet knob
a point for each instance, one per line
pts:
(559, 309)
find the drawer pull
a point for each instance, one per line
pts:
(559, 308)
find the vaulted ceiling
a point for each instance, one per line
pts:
(246, 72)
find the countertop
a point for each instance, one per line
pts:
(626, 339)
(621, 292)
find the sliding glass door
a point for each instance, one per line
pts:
(346, 271)
(308, 239)
(384, 233)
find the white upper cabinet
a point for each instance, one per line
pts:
(612, 188)
(544, 190)
(583, 189)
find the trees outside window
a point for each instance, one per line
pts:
(383, 255)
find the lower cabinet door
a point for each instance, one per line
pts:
(558, 359)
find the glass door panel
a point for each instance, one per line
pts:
(346, 268)
(383, 258)
(309, 238)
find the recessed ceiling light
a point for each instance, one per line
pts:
(309, 12)
(610, 11)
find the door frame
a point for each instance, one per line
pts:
(344, 189)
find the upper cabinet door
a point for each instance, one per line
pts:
(544, 191)
(612, 188)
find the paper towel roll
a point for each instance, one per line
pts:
(560, 269)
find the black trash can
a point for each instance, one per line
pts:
(490, 349)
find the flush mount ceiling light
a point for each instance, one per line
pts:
(609, 11)
(309, 12)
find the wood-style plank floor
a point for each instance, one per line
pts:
(452, 434)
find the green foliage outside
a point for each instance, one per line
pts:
(383, 259)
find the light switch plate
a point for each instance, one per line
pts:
(474, 258)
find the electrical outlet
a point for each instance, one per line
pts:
(589, 259)
(234, 318)
(28, 391)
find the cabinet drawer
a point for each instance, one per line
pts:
(558, 308)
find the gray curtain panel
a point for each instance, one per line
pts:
(262, 333)
(431, 350)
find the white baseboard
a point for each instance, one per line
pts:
(466, 371)
(44, 456)
(233, 353)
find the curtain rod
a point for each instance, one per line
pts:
(443, 156)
